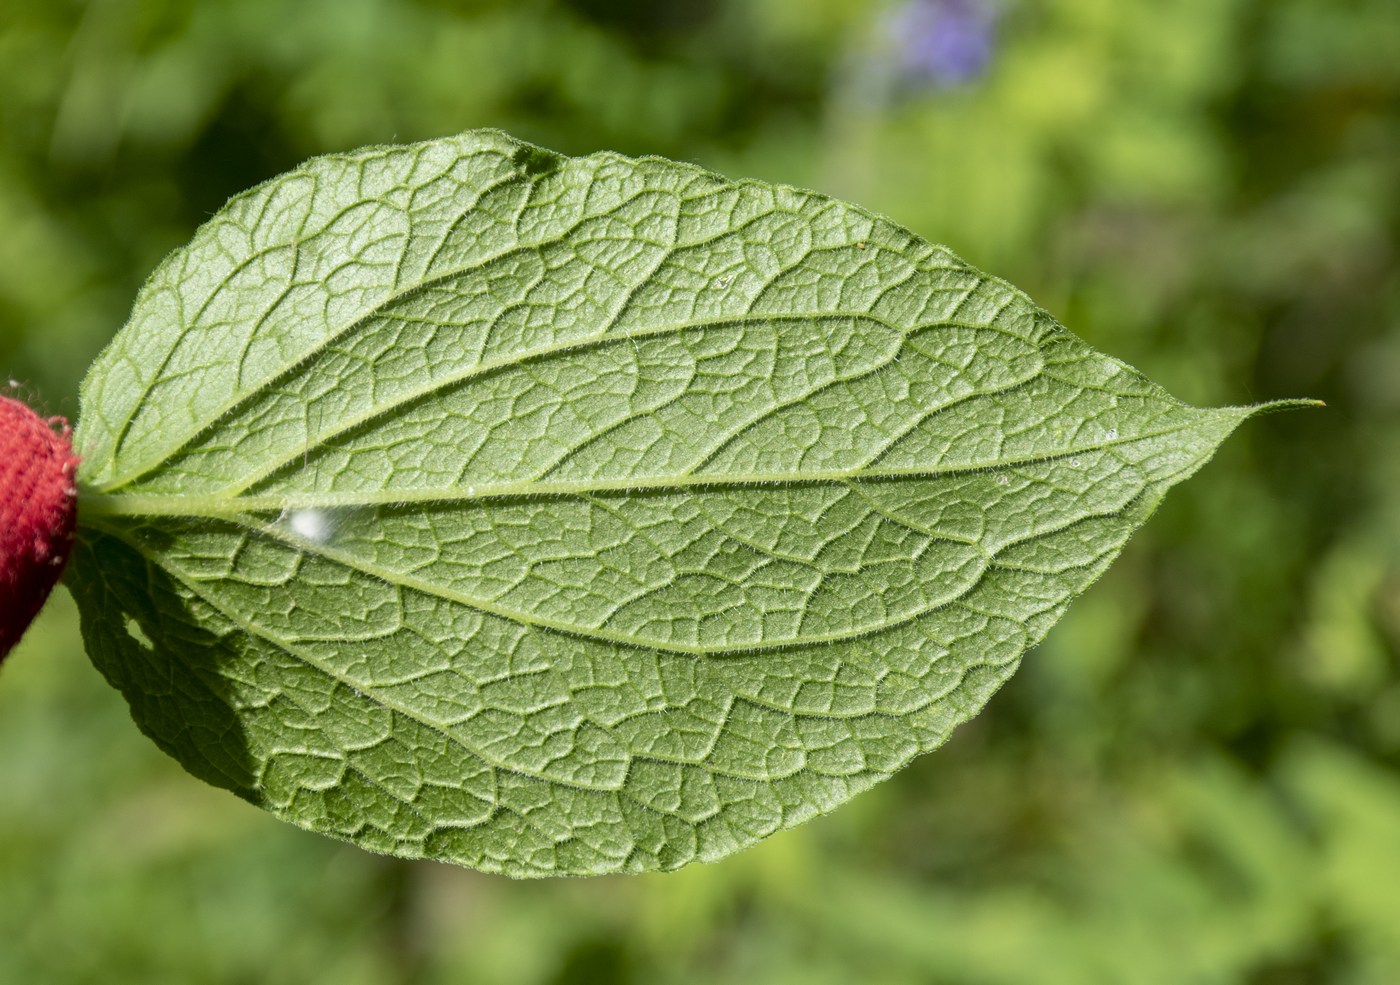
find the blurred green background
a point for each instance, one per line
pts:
(1195, 779)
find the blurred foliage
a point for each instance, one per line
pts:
(1194, 780)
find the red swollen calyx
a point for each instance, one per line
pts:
(38, 513)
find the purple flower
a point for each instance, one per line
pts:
(943, 41)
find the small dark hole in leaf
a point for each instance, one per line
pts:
(134, 630)
(536, 161)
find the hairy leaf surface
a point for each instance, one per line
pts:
(555, 515)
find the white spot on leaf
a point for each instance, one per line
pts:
(311, 524)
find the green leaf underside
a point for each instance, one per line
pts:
(571, 516)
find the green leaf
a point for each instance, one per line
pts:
(553, 515)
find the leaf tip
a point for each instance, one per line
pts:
(1292, 403)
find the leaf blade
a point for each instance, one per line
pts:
(613, 516)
